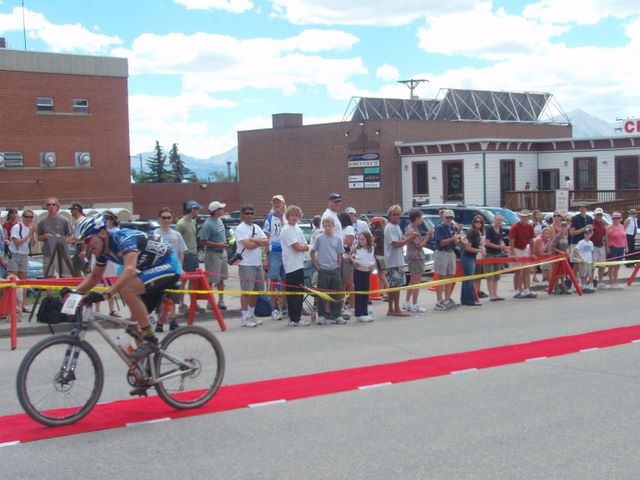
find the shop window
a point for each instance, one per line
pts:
(420, 178)
(45, 104)
(585, 173)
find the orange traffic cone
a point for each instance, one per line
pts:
(374, 284)
(433, 288)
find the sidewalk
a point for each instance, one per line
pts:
(427, 299)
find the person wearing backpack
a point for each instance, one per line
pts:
(23, 237)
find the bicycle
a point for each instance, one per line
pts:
(61, 378)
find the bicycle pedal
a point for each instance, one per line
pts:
(140, 391)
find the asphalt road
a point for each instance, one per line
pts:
(567, 417)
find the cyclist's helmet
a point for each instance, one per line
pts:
(90, 226)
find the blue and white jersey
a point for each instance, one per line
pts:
(273, 226)
(153, 251)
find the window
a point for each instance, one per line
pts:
(585, 173)
(420, 178)
(45, 104)
(11, 159)
(81, 106)
(627, 174)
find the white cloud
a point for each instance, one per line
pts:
(363, 12)
(586, 12)
(487, 34)
(215, 63)
(388, 73)
(60, 38)
(234, 6)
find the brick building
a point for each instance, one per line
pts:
(64, 129)
(361, 158)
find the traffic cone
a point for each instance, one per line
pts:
(374, 284)
(433, 288)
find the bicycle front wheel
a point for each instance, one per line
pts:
(59, 380)
(190, 367)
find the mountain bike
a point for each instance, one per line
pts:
(60, 378)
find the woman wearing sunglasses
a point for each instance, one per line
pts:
(23, 237)
(472, 246)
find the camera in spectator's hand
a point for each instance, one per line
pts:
(235, 258)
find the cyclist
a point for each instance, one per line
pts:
(150, 267)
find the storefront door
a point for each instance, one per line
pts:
(507, 178)
(453, 181)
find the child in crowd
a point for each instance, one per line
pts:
(364, 262)
(560, 245)
(583, 253)
(326, 255)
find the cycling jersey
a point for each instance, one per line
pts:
(273, 226)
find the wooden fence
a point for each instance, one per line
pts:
(545, 200)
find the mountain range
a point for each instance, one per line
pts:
(584, 124)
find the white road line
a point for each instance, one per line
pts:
(9, 444)
(467, 370)
(157, 420)
(375, 385)
(635, 341)
(266, 404)
(589, 349)
(535, 359)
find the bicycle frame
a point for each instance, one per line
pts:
(85, 318)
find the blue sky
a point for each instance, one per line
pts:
(202, 69)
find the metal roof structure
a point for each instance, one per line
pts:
(462, 105)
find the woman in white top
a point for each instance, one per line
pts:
(363, 259)
(23, 236)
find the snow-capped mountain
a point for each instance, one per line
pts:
(586, 125)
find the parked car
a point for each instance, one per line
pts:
(143, 225)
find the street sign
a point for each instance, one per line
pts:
(356, 178)
(371, 184)
(363, 156)
(371, 170)
(356, 185)
(364, 163)
(371, 177)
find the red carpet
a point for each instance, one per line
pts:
(118, 414)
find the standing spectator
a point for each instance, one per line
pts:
(316, 222)
(333, 206)
(542, 248)
(578, 224)
(358, 225)
(584, 256)
(494, 247)
(364, 262)
(23, 236)
(327, 255)
(444, 261)
(631, 228)
(555, 223)
(213, 236)
(415, 258)
(378, 225)
(348, 236)
(560, 244)
(599, 239)
(616, 245)
(12, 219)
(79, 259)
(520, 237)
(173, 238)
(250, 239)
(293, 247)
(393, 257)
(54, 230)
(568, 184)
(272, 227)
(187, 227)
(3, 261)
(472, 246)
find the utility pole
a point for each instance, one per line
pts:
(412, 84)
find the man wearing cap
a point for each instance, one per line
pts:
(213, 237)
(79, 261)
(187, 227)
(273, 224)
(444, 260)
(631, 228)
(359, 226)
(333, 206)
(599, 239)
(521, 236)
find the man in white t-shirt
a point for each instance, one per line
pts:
(333, 206)
(250, 240)
(294, 246)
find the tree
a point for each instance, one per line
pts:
(157, 172)
(179, 170)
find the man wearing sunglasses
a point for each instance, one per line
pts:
(52, 230)
(150, 267)
(250, 240)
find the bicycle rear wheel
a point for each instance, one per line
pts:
(191, 361)
(59, 380)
